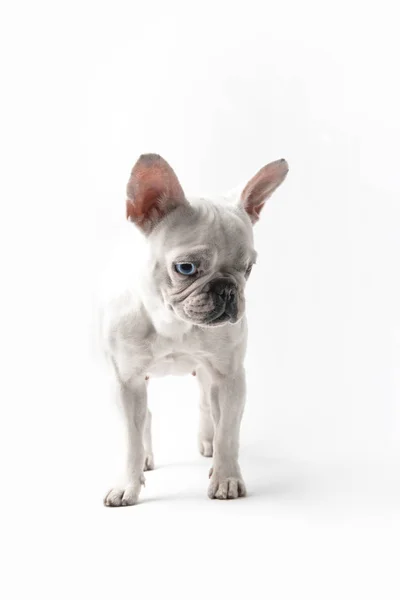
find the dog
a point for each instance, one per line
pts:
(182, 311)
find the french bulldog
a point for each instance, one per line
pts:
(181, 311)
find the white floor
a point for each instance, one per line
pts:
(308, 528)
(334, 486)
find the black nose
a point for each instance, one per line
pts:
(226, 294)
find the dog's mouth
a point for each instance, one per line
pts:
(206, 310)
(215, 319)
(223, 316)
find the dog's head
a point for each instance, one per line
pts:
(201, 253)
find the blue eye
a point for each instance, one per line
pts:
(185, 268)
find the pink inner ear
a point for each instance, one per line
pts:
(153, 190)
(261, 186)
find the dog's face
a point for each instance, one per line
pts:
(201, 253)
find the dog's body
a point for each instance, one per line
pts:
(182, 311)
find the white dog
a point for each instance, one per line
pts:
(181, 310)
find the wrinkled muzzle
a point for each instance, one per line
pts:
(215, 304)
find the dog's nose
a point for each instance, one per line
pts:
(228, 295)
(226, 291)
(223, 288)
(231, 302)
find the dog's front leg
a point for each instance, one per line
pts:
(133, 396)
(227, 403)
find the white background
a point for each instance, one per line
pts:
(219, 90)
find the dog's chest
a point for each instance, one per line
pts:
(172, 364)
(177, 357)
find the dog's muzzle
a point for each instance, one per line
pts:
(225, 297)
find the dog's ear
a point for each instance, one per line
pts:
(153, 191)
(261, 186)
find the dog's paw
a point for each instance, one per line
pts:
(226, 488)
(124, 496)
(149, 463)
(206, 448)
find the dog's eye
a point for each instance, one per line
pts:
(248, 270)
(185, 268)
